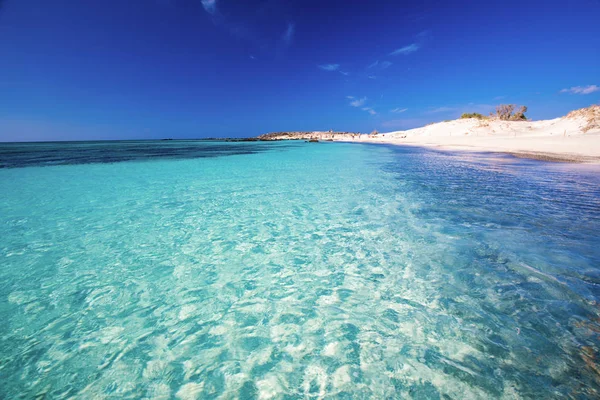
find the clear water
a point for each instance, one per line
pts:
(294, 270)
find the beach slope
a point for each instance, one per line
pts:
(574, 137)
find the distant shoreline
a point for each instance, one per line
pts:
(573, 138)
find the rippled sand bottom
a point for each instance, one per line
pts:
(322, 271)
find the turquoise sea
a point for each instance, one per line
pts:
(287, 270)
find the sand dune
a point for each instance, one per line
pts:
(574, 137)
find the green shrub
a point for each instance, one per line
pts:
(472, 115)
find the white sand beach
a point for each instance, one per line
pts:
(574, 137)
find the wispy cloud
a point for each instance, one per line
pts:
(344, 73)
(372, 77)
(441, 110)
(581, 89)
(421, 39)
(240, 28)
(399, 110)
(476, 107)
(464, 108)
(411, 48)
(361, 103)
(329, 67)
(358, 102)
(423, 36)
(288, 35)
(210, 6)
(252, 57)
(380, 65)
(369, 110)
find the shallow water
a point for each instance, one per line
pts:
(293, 270)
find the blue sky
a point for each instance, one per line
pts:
(114, 69)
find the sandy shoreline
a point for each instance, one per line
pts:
(578, 149)
(572, 138)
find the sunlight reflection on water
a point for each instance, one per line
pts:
(329, 270)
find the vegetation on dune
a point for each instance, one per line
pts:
(591, 115)
(473, 115)
(510, 112)
(504, 112)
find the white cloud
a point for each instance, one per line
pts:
(411, 48)
(372, 77)
(582, 89)
(465, 108)
(210, 6)
(344, 73)
(237, 27)
(288, 35)
(358, 102)
(473, 107)
(399, 110)
(329, 67)
(423, 36)
(441, 110)
(369, 110)
(380, 65)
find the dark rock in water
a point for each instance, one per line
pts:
(313, 141)
(252, 139)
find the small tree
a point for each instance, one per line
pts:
(506, 112)
(374, 132)
(520, 114)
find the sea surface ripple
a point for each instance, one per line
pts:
(295, 270)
